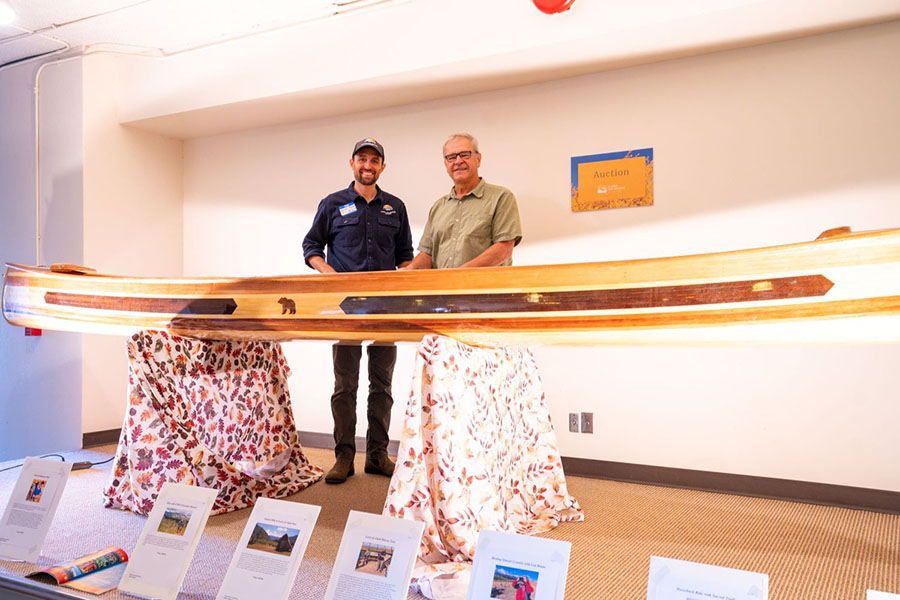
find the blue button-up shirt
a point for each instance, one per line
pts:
(360, 236)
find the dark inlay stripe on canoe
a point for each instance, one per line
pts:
(550, 323)
(182, 306)
(643, 297)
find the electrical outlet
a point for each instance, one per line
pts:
(587, 422)
(573, 422)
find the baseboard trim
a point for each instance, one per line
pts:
(883, 501)
(100, 438)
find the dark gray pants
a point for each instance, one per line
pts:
(343, 402)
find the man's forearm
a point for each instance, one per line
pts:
(421, 261)
(318, 263)
(495, 255)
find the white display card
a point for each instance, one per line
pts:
(874, 595)
(269, 552)
(161, 557)
(672, 579)
(29, 512)
(375, 559)
(506, 563)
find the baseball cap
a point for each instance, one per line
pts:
(368, 143)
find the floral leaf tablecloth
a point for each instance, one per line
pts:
(477, 451)
(207, 413)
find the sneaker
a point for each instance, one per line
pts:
(380, 464)
(342, 469)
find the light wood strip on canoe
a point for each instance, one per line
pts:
(871, 248)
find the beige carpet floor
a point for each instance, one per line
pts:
(810, 552)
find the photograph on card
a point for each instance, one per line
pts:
(174, 521)
(276, 539)
(518, 567)
(374, 559)
(511, 583)
(35, 490)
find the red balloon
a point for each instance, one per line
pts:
(553, 6)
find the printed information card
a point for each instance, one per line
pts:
(508, 565)
(163, 552)
(270, 550)
(375, 559)
(31, 507)
(873, 595)
(672, 579)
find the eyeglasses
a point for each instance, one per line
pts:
(465, 155)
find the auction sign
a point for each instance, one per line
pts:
(612, 180)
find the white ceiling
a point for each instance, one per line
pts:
(153, 26)
(210, 66)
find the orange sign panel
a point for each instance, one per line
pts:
(626, 180)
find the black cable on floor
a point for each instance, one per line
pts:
(78, 466)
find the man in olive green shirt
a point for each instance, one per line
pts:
(476, 224)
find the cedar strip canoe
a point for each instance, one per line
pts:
(842, 287)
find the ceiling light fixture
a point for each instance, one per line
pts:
(7, 14)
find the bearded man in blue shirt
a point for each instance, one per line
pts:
(360, 228)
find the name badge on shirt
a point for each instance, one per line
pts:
(347, 209)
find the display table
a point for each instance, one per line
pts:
(477, 450)
(213, 414)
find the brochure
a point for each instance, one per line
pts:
(29, 513)
(161, 557)
(375, 559)
(93, 573)
(509, 565)
(671, 579)
(269, 552)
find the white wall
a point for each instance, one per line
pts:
(752, 147)
(132, 225)
(430, 49)
(40, 377)
(111, 199)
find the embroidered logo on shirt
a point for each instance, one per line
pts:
(347, 209)
(387, 209)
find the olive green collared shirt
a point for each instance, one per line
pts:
(459, 229)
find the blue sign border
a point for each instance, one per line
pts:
(647, 153)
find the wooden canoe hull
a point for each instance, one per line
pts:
(841, 288)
